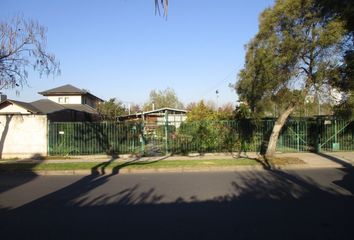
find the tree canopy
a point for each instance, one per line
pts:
(202, 111)
(23, 46)
(293, 55)
(343, 78)
(111, 109)
(294, 49)
(161, 99)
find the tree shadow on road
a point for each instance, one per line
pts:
(270, 204)
(28, 174)
(137, 161)
(335, 159)
(347, 182)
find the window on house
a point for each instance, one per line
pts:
(66, 99)
(60, 100)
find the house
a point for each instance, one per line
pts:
(70, 95)
(62, 104)
(153, 119)
(158, 116)
(24, 125)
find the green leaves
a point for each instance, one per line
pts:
(163, 98)
(207, 112)
(294, 50)
(111, 109)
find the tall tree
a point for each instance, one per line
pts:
(161, 99)
(343, 77)
(292, 55)
(22, 46)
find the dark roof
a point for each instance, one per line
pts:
(67, 89)
(159, 111)
(29, 107)
(47, 106)
(80, 108)
(162, 110)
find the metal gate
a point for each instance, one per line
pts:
(297, 136)
(155, 138)
(335, 135)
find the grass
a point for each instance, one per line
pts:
(9, 159)
(139, 164)
(40, 158)
(163, 164)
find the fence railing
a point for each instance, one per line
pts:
(336, 135)
(298, 135)
(77, 138)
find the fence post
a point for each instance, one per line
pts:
(142, 138)
(166, 132)
(48, 136)
(318, 135)
(297, 135)
(335, 131)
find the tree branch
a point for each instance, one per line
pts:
(14, 51)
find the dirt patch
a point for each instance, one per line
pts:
(285, 160)
(208, 163)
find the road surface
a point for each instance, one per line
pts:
(269, 204)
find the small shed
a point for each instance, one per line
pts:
(158, 117)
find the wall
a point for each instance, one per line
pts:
(173, 119)
(92, 102)
(12, 108)
(23, 135)
(71, 99)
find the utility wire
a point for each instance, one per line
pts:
(220, 82)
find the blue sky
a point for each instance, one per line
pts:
(121, 49)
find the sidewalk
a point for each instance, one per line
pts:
(312, 160)
(348, 156)
(128, 158)
(323, 160)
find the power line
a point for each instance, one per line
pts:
(220, 82)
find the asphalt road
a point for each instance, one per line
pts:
(301, 204)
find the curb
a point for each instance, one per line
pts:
(151, 170)
(180, 170)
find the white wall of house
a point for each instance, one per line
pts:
(66, 99)
(12, 108)
(89, 101)
(23, 135)
(173, 119)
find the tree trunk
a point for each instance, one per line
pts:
(272, 144)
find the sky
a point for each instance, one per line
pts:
(121, 49)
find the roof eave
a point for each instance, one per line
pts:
(46, 94)
(60, 93)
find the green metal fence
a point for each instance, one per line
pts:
(93, 138)
(246, 135)
(298, 135)
(303, 134)
(336, 135)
